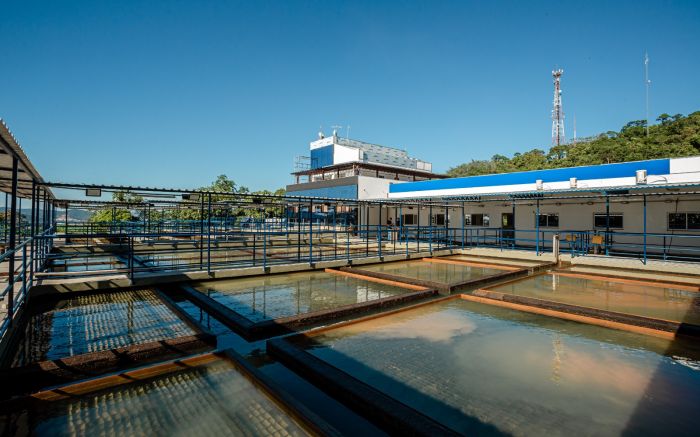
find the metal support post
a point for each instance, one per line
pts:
(644, 199)
(11, 244)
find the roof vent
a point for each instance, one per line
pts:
(641, 177)
(539, 184)
(573, 182)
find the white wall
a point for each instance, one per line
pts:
(372, 188)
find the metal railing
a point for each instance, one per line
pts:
(30, 257)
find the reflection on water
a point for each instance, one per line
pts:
(437, 272)
(211, 400)
(97, 322)
(656, 302)
(523, 373)
(272, 297)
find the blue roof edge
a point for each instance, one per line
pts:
(601, 171)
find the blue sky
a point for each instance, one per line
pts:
(173, 93)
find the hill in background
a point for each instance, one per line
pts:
(673, 136)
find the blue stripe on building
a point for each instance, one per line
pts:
(603, 171)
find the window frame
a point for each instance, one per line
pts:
(686, 226)
(547, 223)
(485, 220)
(612, 214)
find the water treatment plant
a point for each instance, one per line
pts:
(374, 297)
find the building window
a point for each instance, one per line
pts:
(683, 221)
(548, 220)
(476, 220)
(409, 219)
(439, 219)
(616, 221)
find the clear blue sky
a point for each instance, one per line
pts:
(173, 93)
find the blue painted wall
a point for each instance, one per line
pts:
(322, 157)
(604, 171)
(341, 192)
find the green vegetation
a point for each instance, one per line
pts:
(133, 208)
(673, 136)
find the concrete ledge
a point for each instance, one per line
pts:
(329, 264)
(19, 380)
(253, 331)
(609, 319)
(284, 268)
(495, 252)
(386, 412)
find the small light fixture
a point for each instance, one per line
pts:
(589, 203)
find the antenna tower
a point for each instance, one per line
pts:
(558, 137)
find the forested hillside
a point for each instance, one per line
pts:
(673, 136)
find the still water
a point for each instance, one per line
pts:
(642, 300)
(436, 272)
(490, 370)
(97, 322)
(271, 297)
(207, 400)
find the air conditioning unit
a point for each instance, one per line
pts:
(641, 177)
(539, 184)
(573, 183)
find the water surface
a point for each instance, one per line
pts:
(271, 297)
(433, 271)
(643, 300)
(98, 322)
(208, 400)
(490, 370)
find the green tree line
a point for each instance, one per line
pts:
(223, 184)
(673, 136)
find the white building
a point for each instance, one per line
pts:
(636, 207)
(343, 168)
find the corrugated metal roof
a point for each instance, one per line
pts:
(27, 173)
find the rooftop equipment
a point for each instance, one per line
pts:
(641, 177)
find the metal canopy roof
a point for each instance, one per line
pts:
(26, 173)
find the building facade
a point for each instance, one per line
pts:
(343, 168)
(645, 206)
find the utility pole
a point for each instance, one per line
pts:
(558, 137)
(647, 83)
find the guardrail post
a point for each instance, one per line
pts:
(11, 245)
(32, 253)
(208, 234)
(430, 228)
(24, 269)
(537, 232)
(644, 200)
(311, 231)
(130, 242)
(264, 245)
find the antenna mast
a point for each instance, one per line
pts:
(647, 83)
(558, 137)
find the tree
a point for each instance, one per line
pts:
(674, 136)
(121, 213)
(664, 118)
